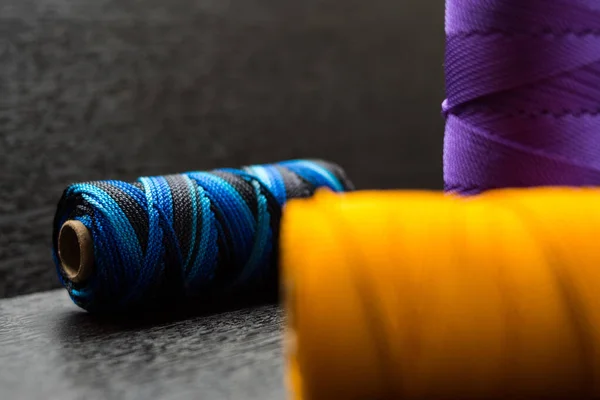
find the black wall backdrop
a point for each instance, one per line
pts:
(97, 89)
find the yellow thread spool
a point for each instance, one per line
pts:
(418, 295)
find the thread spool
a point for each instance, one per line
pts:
(523, 87)
(194, 238)
(76, 251)
(418, 295)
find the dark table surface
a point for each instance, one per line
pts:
(49, 349)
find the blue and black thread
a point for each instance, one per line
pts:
(197, 236)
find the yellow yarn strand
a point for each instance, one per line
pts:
(422, 295)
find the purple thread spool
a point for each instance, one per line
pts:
(523, 94)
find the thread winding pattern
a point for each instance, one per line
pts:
(189, 235)
(523, 94)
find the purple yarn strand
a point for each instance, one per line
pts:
(523, 94)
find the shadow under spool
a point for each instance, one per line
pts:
(76, 251)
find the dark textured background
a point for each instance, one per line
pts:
(96, 89)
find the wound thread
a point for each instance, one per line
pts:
(418, 295)
(178, 237)
(523, 94)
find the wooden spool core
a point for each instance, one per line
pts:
(76, 251)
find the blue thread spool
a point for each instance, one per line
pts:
(201, 236)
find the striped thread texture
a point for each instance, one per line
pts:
(196, 235)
